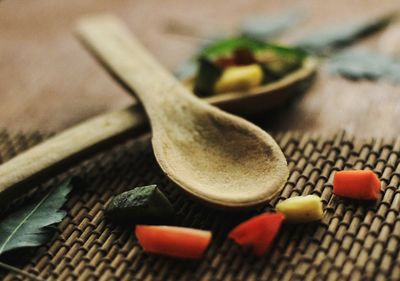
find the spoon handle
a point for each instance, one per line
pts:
(71, 145)
(20, 173)
(113, 44)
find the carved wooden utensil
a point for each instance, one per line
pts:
(218, 158)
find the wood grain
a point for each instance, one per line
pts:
(49, 82)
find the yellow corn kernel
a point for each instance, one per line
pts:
(239, 78)
(301, 208)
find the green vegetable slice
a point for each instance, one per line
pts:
(206, 77)
(145, 204)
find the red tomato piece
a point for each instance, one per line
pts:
(258, 232)
(181, 242)
(357, 184)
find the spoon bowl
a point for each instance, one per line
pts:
(214, 156)
(220, 159)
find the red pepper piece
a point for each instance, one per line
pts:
(225, 62)
(181, 242)
(258, 232)
(357, 184)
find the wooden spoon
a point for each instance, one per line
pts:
(219, 158)
(69, 147)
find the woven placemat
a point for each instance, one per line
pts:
(355, 241)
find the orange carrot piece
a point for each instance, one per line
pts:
(181, 242)
(357, 184)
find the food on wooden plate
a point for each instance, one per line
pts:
(242, 63)
(258, 232)
(141, 204)
(357, 184)
(301, 208)
(180, 242)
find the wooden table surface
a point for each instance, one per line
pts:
(49, 82)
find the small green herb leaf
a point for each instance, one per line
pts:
(265, 27)
(331, 38)
(27, 226)
(362, 63)
(146, 204)
(225, 46)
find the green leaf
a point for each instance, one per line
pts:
(362, 63)
(225, 46)
(265, 27)
(331, 38)
(27, 226)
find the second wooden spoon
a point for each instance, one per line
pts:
(219, 158)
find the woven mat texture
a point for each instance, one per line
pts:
(354, 241)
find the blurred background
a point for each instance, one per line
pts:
(49, 82)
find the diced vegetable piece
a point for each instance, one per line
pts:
(301, 208)
(207, 75)
(244, 56)
(181, 242)
(239, 78)
(358, 184)
(277, 64)
(146, 203)
(258, 232)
